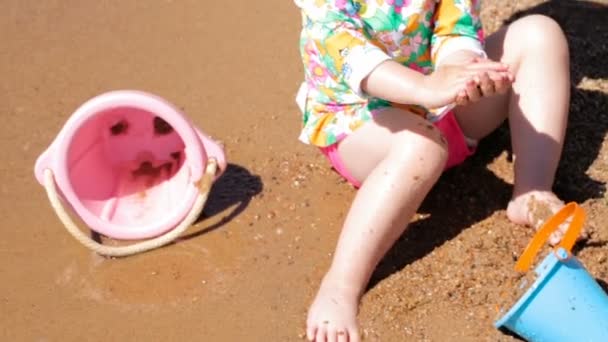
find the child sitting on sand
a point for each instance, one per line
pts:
(395, 91)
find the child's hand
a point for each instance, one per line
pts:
(485, 84)
(459, 83)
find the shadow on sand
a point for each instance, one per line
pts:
(235, 188)
(456, 202)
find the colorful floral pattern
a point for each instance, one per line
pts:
(343, 40)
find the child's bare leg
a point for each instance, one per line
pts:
(399, 156)
(537, 108)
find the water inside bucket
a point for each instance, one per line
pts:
(126, 166)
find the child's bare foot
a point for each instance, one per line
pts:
(534, 208)
(332, 317)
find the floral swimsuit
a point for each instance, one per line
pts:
(342, 41)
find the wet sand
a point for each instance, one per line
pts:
(250, 266)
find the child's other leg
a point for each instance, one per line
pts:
(537, 108)
(398, 156)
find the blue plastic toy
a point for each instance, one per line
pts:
(564, 303)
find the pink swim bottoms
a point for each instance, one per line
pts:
(458, 149)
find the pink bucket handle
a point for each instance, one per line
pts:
(204, 186)
(214, 150)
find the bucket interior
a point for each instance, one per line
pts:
(126, 166)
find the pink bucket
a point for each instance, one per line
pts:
(130, 166)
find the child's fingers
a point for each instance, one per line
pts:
(488, 65)
(486, 85)
(498, 75)
(462, 99)
(502, 85)
(473, 91)
(501, 81)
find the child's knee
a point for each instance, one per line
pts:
(539, 32)
(425, 147)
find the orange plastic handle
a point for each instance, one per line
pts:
(543, 234)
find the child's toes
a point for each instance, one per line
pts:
(353, 335)
(336, 333)
(343, 335)
(321, 335)
(311, 331)
(555, 237)
(332, 334)
(340, 333)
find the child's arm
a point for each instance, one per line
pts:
(458, 40)
(341, 47)
(397, 83)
